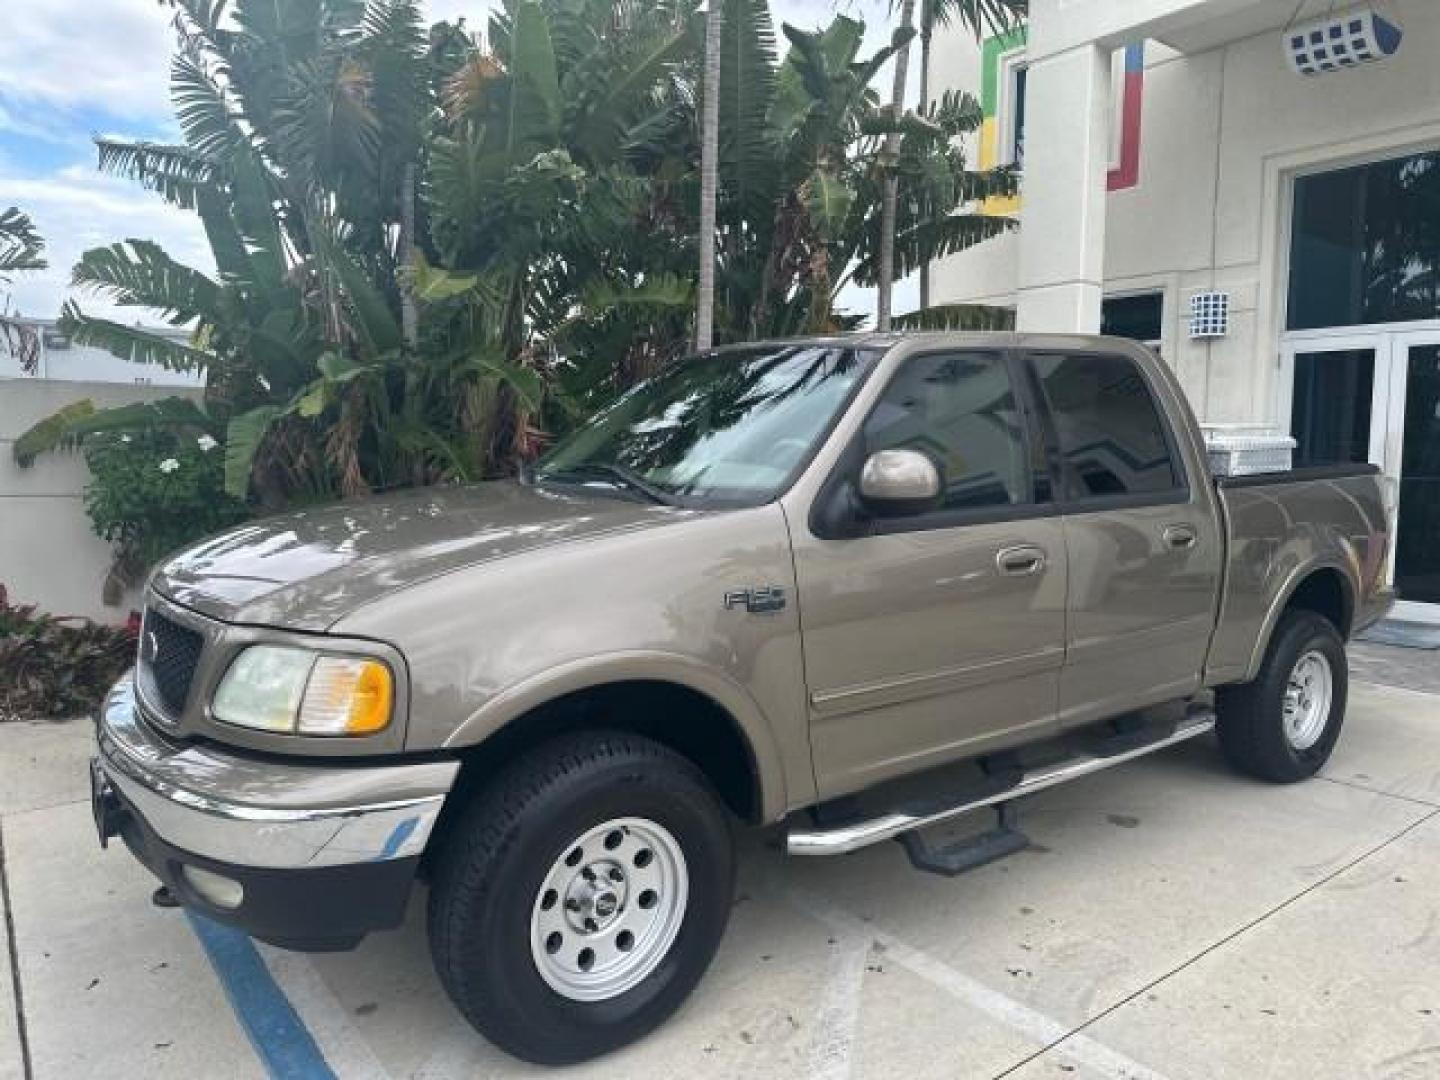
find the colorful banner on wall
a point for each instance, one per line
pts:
(995, 51)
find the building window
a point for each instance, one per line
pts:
(1365, 245)
(1013, 74)
(1139, 317)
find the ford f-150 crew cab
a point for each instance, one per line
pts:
(849, 588)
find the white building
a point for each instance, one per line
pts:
(1179, 162)
(60, 359)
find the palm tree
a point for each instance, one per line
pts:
(998, 16)
(885, 290)
(21, 251)
(709, 176)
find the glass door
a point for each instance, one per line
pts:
(1414, 457)
(1335, 394)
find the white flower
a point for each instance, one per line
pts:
(125, 438)
(206, 443)
(169, 465)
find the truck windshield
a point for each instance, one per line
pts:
(727, 429)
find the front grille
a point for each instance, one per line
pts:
(169, 654)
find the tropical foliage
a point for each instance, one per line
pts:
(21, 251)
(56, 667)
(435, 250)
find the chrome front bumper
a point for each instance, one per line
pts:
(258, 812)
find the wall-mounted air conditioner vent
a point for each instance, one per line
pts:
(1209, 315)
(1341, 40)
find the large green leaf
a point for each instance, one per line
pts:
(207, 117)
(930, 240)
(243, 438)
(177, 173)
(20, 244)
(747, 91)
(374, 321)
(49, 434)
(827, 201)
(534, 82)
(490, 363)
(138, 273)
(130, 342)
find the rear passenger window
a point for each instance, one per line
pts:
(960, 410)
(1111, 434)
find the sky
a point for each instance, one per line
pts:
(70, 69)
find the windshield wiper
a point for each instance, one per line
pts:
(616, 476)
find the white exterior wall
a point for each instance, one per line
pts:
(1224, 131)
(48, 553)
(84, 363)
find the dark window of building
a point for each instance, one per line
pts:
(1111, 436)
(1017, 107)
(960, 410)
(1365, 245)
(1139, 318)
(1330, 413)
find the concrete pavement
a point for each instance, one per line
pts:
(1171, 920)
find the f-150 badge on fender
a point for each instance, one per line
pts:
(757, 601)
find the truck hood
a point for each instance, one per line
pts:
(307, 569)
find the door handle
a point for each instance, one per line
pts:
(1020, 561)
(1181, 537)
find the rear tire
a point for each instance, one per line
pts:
(581, 896)
(1283, 726)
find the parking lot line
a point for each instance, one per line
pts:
(341, 1044)
(275, 1030)
(1013, 1014)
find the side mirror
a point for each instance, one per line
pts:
(897, 483)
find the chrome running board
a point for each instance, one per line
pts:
(839, 839)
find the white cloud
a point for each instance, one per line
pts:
(109, 55)
(76, 209)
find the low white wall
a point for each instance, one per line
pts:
(48, 553)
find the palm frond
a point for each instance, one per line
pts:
(21, 247)
(176, 173)
(138, 273)
(49, 433)
(130, 342)
(957, 317)
(927, 241)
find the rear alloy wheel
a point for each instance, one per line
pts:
(1309, 692)
(581, 896)
(1283, 726)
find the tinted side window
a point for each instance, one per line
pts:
(959, 409)
(1111, 434)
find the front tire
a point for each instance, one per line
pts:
(1283, 726)
(582, 896)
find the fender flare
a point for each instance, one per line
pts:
(1297, 577)
(641, 666)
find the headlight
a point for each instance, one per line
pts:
(299, 692)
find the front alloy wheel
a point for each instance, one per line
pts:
(581, 896)
(609, 910)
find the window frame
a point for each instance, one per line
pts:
(1041, 504)
(1008, 106)
(1065, 482)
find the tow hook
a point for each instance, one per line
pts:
(106, 807)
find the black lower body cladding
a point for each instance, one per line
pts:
(321, 910)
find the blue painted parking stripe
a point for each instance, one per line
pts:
(281, 1039)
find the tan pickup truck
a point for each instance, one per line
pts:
(848, 588)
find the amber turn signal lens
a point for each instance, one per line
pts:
(347, 696)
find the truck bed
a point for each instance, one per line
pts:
(1283, 529)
